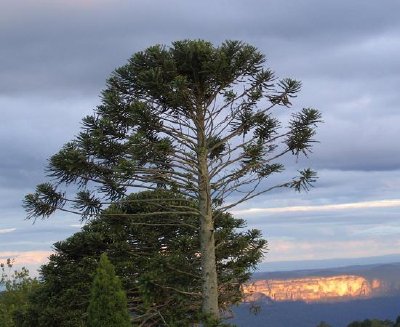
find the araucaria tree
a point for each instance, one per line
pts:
(191, 118)
(156, 259)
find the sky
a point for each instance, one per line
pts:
(55, 56)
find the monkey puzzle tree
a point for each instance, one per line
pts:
(156, 258)
(191, 118)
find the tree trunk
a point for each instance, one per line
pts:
(207, 240)
(208, 263)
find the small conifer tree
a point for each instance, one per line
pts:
(108, 305)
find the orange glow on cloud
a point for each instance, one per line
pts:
(26, 257)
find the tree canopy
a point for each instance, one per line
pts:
(156, 258)
(15, 289)
(375, 323)
(192, 118)
(369, 323)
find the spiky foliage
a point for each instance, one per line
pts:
(107, 305)
(192, 118)
(157, 259)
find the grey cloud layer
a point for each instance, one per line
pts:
(56, 44)
(56, 55)
(343, 52)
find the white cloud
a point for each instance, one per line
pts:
(26, 257)
(378, 231)
(7, 230)
(325, 207)
(287, 250)
(76, 225)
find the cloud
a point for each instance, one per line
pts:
(286, 250)
(25, 138)
(59, 45)
(378, 231)
(76, 225)
(56, 58)
(358, 140)
(7, 230)
(325, 207)
(332, 187)
(26, 257)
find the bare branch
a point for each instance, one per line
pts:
(251, 195)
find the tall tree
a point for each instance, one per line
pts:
(108, 306)
(156, 258)
(193, 118)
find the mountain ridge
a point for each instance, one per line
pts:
(334, 284)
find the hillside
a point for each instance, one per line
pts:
(314, 289)
(353, 282)
(301, 314)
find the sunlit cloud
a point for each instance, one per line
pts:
(7, 230)
(295, 250)
(26, 257)
(324, 207)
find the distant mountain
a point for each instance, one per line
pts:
(327, 263)
(386, 270)
(315, 289)
(338, 296)
(353, 282)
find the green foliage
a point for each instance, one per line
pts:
(372, 323)
(323, 324)
(156, 257)
(164, 110)
(368, 323)
(14, 299)
(191, 118)
(108, 305)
